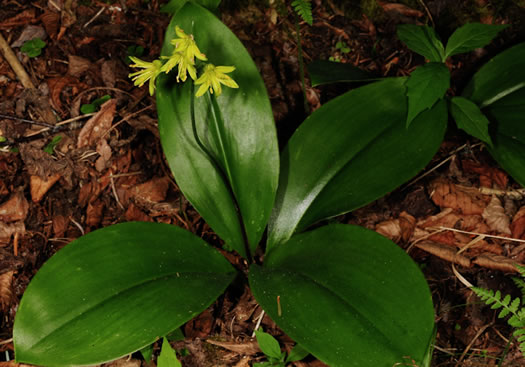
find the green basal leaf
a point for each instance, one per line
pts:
(296, 354)
(173, 6)
(423, 40)
(501, 76)
(115, 291)
(471, 36)
(326, 72)
(426, 85)
(247, 144)
(167, 357)
(348, 295)
(508, 134)
(351, 151)
(268, 344)
(469, 118)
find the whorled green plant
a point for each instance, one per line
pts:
(344, 293)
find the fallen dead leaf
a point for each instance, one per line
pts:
(200, 326)
(50, 21)
(94, 213)
(154, 190)
(23, 18)
(123, 362)
(104, 150)
(495, 262)
(517, 227)
(107, 71)
(28, 33)
(14, 209)
(465, 200)
(39, 186)
(98, 125)
(495, 217)
(6, 290)
(135, 214)
(444, 252)
(77, 65)
(390, 229)
(9, 229)
(245, 348)
(401, 9)
(60, 224)
(488, 175)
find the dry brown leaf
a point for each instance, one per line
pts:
(496, 262)
(463, 199)
(488, 175)
(16, 208)
(518, 224)
(60, 224)
(28, 33)
(104, 150)
(243, 362)
(77, 65)
(200, 326)
(246, 348)
(135, 214)
(401, 9)
(495, 216)
(107, 71)
(50, 21)
(444, 252)
(23, 18)
(9, 229)
(123, 362)
(154, 190)
(98, 125)
(6, 290)
(390, 229)
(39, 186)
(56, 85)
(94, 213)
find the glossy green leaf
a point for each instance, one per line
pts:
(423, 40)
(326, 72)
(348, 295)
(114, 291)
(351, 151)
(502, 75)
(508, 134)
(268, 344)
(167, 356)
(174, 6)
(296, 354)
(469, 118)
(247, 146)
(471, 36)
(426, 85)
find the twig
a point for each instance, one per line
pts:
(49, 126)
(114, 189)
(478, 234)
(259, 320)
(94, 17)
(478, 334)
(7, 341)
(15, 64)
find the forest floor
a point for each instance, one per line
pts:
(53, 190)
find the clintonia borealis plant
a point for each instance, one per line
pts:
(346, 294)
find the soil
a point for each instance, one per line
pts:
(91, 180)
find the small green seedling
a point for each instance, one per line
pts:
(92, 107)
(135, 51)
(508, 306)
(167, 357)
(33, 48)
(50, 147)
(340, 48)
(271, 349)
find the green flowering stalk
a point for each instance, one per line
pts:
(183, 57)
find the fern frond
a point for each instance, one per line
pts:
(494, 300)
(520, 283)
(304, 9)
(521, 269)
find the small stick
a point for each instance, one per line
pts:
(259, 320)
(15, 64)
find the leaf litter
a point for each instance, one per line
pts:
(104, 171)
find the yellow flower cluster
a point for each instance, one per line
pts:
(184, 53)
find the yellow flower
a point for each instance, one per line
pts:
(185, 66)
(212, 77)
(186, 45)
(150, 72)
